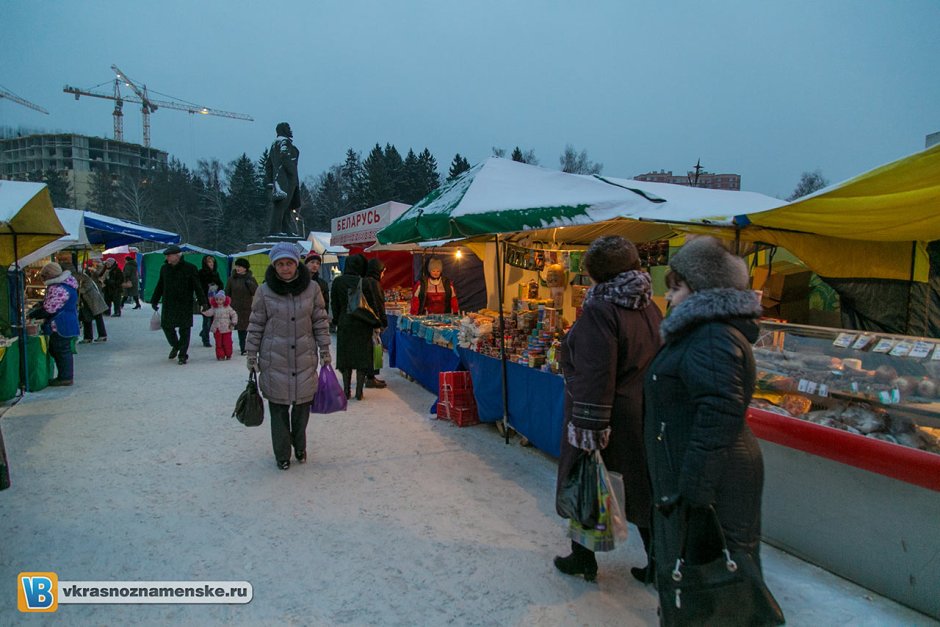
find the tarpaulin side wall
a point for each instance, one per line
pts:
(397, 266)
(466, 274)
(152, 262)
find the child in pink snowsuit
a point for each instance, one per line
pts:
(224, 320)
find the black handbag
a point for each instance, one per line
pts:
(249, 408)
(711, 585)
(578, 498)
(359, 308)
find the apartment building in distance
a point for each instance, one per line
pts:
(77, 157)
(706, 180)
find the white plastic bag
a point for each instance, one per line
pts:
(155, 321)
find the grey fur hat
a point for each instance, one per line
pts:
(704, 264)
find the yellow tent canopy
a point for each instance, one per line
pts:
(27, 220)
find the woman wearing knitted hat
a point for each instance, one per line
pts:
(288, 326)
(699, 448)
(603, 358)
(59, 312)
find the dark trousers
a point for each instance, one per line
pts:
(180, 343)
(61, 350)
(204, 334)
(242, 336)
(99, 323)
(288, 428)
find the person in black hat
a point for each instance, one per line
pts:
(179, 288)
(241, 289)
(313, 262)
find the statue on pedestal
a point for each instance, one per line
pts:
(284, 181)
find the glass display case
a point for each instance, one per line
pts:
(873, 385)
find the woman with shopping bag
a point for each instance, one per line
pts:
(603, 358)
(287, 330)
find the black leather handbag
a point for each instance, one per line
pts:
(249, 408)
(359, 308)
(723, 588)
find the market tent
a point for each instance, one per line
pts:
(27, 220)
(71, 220)
(873, 238)
(111, 231)
(504, 196)
(153, 261)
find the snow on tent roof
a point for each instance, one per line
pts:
(71, 220)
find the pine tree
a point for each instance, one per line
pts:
(328, 202)
(428, 168)
(59, 188)
(245, 213)
(457, 167)
(377, 185)
(395, 168)
(102, 197)
(517, 155)
(352, 183)
(411, 183)
(212, 197)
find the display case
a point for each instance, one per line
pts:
(885, 387)
(848, 423)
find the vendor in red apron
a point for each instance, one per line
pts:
(434, 294)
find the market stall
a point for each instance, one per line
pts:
(153, 261)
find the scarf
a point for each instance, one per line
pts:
(630, 290)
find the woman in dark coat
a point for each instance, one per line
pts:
(210, 281)
(700, 449)
(112, 279)
(604, 358)
(241, 289)
(372, 286)
(132, 276)
(353, 337)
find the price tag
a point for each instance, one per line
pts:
(936, 353)
(844, 340)
(921, 349)
(855, 386)
(890, 397)
(809, 387)
(883, 346)
(823, 389)
(862, 342)
(901, 349)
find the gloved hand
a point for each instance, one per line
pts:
(253, 363)
(667, 504)
(325, 359)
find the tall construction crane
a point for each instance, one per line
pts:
(9, 95)
(148, 104)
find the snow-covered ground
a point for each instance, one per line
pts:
(139, 473)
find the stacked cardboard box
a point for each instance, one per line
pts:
(785, 290)
(455, 399)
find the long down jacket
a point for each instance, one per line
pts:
(287, 330)
(698, 444)
(604, 357)
(241, 289)
(353, 338)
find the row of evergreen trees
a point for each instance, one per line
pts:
(226, 206)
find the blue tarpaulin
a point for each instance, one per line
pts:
(111, 232)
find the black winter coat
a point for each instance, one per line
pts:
(209, 276)
(179, 288)
(241, 289)
(353, 338)
(698, 444)
(131, 274)
(604, 357)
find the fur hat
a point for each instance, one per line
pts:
(435, 264)
(243, 263)
(704, 264)
(50, 271)
(609, 256)
(172, 250)
(284, 250)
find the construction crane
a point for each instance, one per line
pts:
(148, 104)
(9, 95)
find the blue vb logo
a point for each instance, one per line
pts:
(36, 592)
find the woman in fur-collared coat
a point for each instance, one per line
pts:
(700, 449)
(287, 330)
(604, 357)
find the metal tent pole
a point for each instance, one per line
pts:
(500, 275)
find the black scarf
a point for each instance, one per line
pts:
(631, 289)
(294, 287)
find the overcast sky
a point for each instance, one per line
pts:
(767, 90)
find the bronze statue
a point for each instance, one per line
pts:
(282, 178)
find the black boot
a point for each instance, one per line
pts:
(645, 574)
(580, 562)
(347, 380)
(360, 381)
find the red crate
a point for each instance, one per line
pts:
(456, 379)
(460, 416)
(457, 398)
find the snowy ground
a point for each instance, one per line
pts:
(138, 472)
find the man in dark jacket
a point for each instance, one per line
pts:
(178, 286)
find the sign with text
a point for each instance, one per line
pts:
(360, 227)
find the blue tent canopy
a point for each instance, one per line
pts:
(112, 232)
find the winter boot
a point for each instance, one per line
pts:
(347, 380)
(580, 562)
(360, 382)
